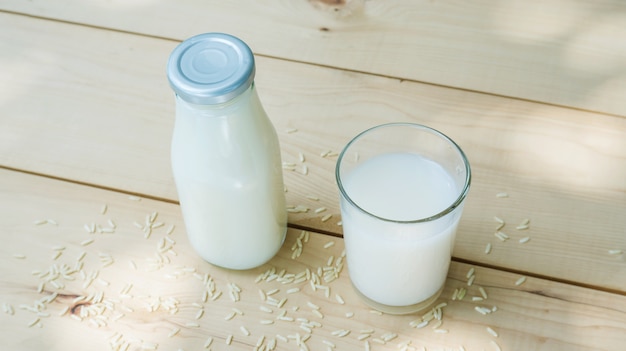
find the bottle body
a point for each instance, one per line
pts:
(228, 173)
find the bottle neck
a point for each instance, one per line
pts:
(249, 96)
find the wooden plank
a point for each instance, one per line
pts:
(566, 53)
(104, 116)
(153, 298)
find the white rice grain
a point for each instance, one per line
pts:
(86, 242)
(173, 332)
(470, 273)
(520, 281)
(340, 333)
(320, 209)
(329, 244)
(229, 339)
(492, 332)
(524, 240)
(208, 342)
(244, 330)
(502, 195)
(282, 302)
(471, 280)
(488, 248)
(501, 235)
(483, 292)
(339, 299)
(327, 217)
(34, 322)
(318, 313)
(615, 252)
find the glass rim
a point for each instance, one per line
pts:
(459, 200)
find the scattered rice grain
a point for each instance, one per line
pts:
(524, 240)
(340, 333)
(339, 299)
(502, 195)
(320, 209)
(492, 332)
(34, 322)
(483, 292)
(470, 273)
(318, 313)
(326, 217)
(520, 281)
(471, 280)
(86, 242)
(245, 330)
(615, 252)
(173, 332)
(208, 342)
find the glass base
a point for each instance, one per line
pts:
(420, 306)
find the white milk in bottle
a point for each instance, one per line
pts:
(225, 154)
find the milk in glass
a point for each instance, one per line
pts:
(402, 195)
(409, 259)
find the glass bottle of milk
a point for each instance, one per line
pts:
(225, 154)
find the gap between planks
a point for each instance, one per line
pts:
(329, 233)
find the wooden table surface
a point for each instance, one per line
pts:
(95, 254)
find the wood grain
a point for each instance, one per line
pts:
(166, 295)
(98, 114)
(566, 53)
